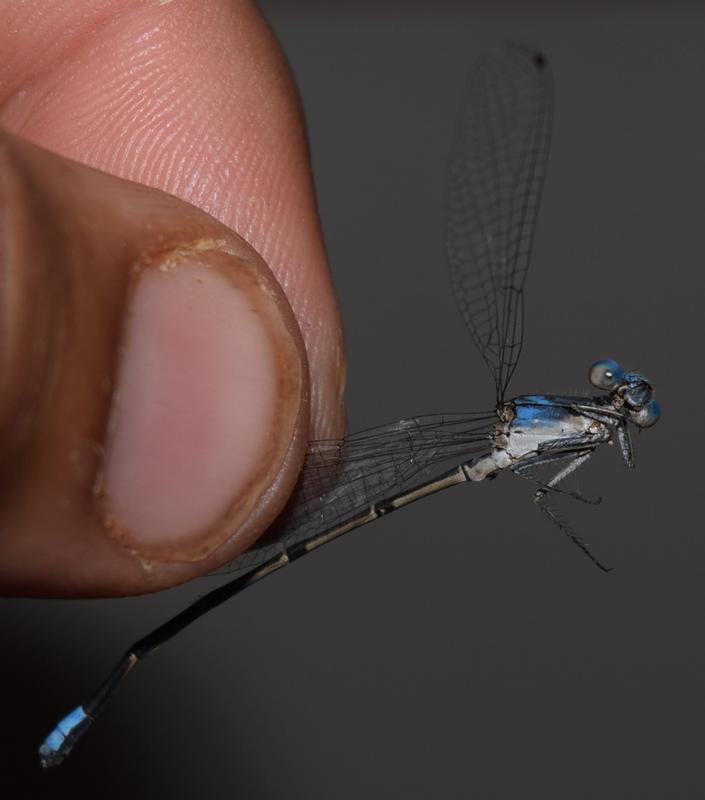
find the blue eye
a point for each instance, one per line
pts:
(606, 374)
(646, 416)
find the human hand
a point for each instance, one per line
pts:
(154, 388)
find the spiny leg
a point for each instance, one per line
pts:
(625, 445)
(578, 458)
(570, 533)
(577, 462)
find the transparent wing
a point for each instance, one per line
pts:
(342, 479)
(497, 165)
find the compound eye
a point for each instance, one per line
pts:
(606, 374)
(646, 416)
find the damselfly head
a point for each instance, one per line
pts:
(631, 392)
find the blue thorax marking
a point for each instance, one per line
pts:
(540, 410)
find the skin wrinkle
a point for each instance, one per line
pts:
(205, 108)
(26, 338)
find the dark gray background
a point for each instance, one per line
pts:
(460, 648)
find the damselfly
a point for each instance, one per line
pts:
(497, 167)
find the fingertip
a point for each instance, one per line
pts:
(169, 406)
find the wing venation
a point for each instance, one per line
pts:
(497, 167)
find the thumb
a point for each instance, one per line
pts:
(153, 384)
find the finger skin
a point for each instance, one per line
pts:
(73, 243)
(193, 97)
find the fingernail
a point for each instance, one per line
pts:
(205, 402)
